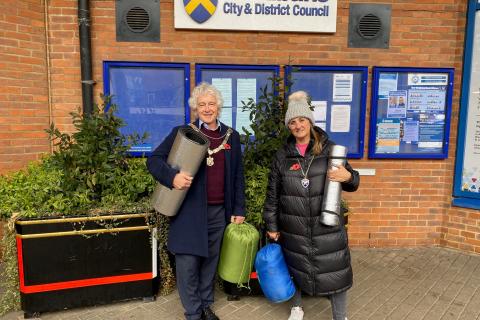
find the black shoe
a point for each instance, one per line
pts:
(208, 314)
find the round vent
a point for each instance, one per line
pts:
(137, 19)
(369, 26)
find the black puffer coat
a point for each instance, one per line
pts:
(318, 256)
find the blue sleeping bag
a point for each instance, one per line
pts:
(273, 275)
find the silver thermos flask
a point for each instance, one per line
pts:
(331, 206)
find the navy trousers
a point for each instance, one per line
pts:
(195, 274)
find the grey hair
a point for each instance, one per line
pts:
(204, 88)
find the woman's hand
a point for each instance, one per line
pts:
(182, 181)
(339, 174)
(273, 235)
(237, 219)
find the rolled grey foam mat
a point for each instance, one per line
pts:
(187, 154)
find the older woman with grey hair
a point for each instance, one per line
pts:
(215, 197)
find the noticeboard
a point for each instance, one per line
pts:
(410, 113)
(338, 95)
(466, 190)
(238, 84)
(151, 98)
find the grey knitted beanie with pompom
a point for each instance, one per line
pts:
(298, 107)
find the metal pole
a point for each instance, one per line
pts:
(85, 55)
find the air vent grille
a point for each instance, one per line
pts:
(369, 26)
(138, 19)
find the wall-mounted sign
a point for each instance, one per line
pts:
(259, 15)
(467, 168)
(410, 113)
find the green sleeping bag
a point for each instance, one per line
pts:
(239, 247)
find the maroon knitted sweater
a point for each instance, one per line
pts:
(215, 173)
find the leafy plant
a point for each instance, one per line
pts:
(10, 297)
(256, 180)
(34, 191)
(268, 126)
(94, 156)
(269, 134)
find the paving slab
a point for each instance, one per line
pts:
(406, 284)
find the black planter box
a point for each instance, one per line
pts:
(73, 262)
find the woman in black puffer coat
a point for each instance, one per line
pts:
(318, 256)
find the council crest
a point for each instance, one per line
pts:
(200, 10)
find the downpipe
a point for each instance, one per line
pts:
(85, 55)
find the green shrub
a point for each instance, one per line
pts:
(34, 191)
(95, 155)
(256, 180)
(269, 134)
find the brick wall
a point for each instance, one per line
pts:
(407, 202)
(461, 229)
(23, 83)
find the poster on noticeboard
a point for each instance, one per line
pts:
(410, 112)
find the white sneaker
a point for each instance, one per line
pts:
(296, 313)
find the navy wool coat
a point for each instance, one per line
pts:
(188, 232)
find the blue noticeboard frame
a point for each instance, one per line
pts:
(236, 83)
(410, 113)
(151, 97)
(338, 93)
(466, 186)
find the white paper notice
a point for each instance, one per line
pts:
(340, 118)
(224, 85)
(319, 110)
(342, 87)
(246, 90)
(321, 125)
(226, 116)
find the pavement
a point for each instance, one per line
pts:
(412, 284)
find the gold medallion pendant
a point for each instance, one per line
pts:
(210, 161)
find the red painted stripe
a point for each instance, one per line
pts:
(20, 263)
(72, 284)
(253, 275)
(85, 283)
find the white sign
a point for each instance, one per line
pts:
(428, 79)
(471, 155)
(259, 15)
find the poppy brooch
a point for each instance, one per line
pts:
(295, 167)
